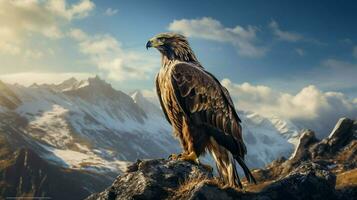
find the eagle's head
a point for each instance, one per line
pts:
(172, 46)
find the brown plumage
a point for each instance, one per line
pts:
(199, 108)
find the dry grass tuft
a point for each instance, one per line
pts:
(345, 179)
(191, 183)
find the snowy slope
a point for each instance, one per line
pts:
(89, 125)
(266, 138)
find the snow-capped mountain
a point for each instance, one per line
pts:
(85, 124)
(90, 125)
(267, 138)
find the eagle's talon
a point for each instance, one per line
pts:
(175, 156)
(191, 157)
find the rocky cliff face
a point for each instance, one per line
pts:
(26, 175)
(323, 169)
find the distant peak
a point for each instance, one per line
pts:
(97, 81)
(72, 79)
(34, 85)
(96, 77)
(136, 95)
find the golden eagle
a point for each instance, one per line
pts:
(199, 109)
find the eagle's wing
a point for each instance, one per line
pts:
(204, 100)
(158, 91)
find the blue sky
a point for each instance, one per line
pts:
(326, 28)
(284, 45)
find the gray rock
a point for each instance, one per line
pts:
(308, 181)
(306, 175)
(302, 153)
(162, 179)
(152, 179)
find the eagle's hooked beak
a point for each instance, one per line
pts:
(148, 44)
(154, 42)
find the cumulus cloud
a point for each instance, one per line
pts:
(106, 53)
(290, 36)
(77, 34)
(284, 35)
(79, 10)
(110, 11)
(243, 38)
(21, 19)
(337, 64)
(311, 107)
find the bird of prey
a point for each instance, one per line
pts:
(199, 109)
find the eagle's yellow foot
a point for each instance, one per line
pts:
(175, 156)
(189, 157)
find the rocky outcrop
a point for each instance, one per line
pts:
(316, 170)
(8, 99)
(153, 179)
(302, 153)
(165, 179)
(26, 175)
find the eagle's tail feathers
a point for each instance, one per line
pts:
(235, 173)
(247, 173)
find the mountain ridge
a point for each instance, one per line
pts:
(94, 112)
(89, 126)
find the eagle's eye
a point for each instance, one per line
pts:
(162, 39)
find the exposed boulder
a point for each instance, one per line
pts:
(310, 173)
(308, 181)
(163, 179)
(344, 133)
(152, 179)
(307, 139)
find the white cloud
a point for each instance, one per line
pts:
(99, 45)
(244, 39)
(33, 54)
(284, 35)
(338, 64)
(300, 51)
(110, 11)
(292, 36)
(309, 105)
(106, 53)
(53, 32)
(28, 78)
(77, 34)
(79, 10)
(22, 19)
(354, 53)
